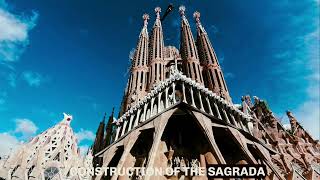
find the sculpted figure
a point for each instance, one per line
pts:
(298, 133)
(172, 70)
(272, 127)
(244, 105)
(195, 164)
(134, 96)
(256, 131)
(257, 107)
(247, 99)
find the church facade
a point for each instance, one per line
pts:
(177, 112)
(50, 155)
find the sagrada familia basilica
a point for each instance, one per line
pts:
(176, 112)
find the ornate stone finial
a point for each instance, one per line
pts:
(196, 16)
(145, 18)
(182, 9)
(292, 119)
(289, 114)
(67, 117)
(157, 10)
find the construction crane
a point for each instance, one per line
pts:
(169, 9)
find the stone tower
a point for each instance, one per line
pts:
(137, 87)
(156, 64)
(212, 73)
(48, 156)
(185, 118)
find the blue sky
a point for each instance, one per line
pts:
(72, 56)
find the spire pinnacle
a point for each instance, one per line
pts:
(182, 10)
(112, 113)
(196, 16)
(145, 18)
(104, 117)
(157, 10)
(67, 118)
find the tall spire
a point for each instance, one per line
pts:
(98, 144)
(188, 50)
(138, 79)
(212, 73)
(109, 130)
(157, 66)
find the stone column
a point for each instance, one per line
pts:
(217, 110)
(136, 122)
(124, 127)
(117, 133)
(174, 93)
(184, 93)
(209, 106)
(160, 123)
(159, 102)
(192, 99)
(128, 143)
(200, 99)
(130, 122)
(205, 123)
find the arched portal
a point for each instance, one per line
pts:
(184, 144)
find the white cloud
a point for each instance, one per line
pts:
(83, 149)
(308, 115)
(26, 127)
(299, 66)
(14, 34)
(33, 79)
(85, 135)
(308, 112)
(14, 38)
(12, 28)
(8, 144)
(10, 140)
(287, 126)
(228, 75)
(213, 29)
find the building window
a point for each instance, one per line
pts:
(51, 173)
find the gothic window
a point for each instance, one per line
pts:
(195, 71)
(155, 71)
(156, 44)
(50, 173)
(211, 76)
(218, 78)
(200, 74)
(138, 55)
(160, 72)
(190, 44)
(137, 75)
(141, 80)
(205, 79)
(209, 49)
(189, 69)
(147, 78)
